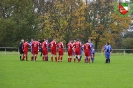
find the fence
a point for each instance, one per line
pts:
(14, 50)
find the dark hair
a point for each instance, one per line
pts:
(26, 39)
(107, 43)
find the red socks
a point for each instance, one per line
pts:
(78, 60)
(69, 59)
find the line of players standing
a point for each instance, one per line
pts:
(74, 48)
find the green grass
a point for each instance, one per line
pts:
(28, 74)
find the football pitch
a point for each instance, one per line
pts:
(28, 74)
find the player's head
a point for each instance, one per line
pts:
(89, 40)
(35, 39)
(70, 41)
(107, 43)
(26, 40)
(74, 40)
(32, 40)
(22, 40)
(86, 41)
(78, 40)
(44, 39)
(61, 40)
(54, 39)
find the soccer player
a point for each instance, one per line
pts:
(25, 50)
(60, 47)
(35, 46)
(21, 48)
(107, 51)
(31, 49)
(53, 49)
(92, 55)
(92, 50)
(74, 41)
(77, 46)
(70, 51)
(87, 52)
(44, 50)
(47, 50)
(81, 52)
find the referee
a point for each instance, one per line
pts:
(21, 48)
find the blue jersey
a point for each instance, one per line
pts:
(92, 47)
(107, 48)
(93, 51)
(91, 44)
(30, 45)
(81, 50)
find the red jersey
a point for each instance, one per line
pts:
(77, 45)
(53, 45)
(70, 46)
(87, 46)
(44, 45)
(35, 45)
(60, 46)
(25, 46)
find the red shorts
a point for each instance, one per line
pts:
(87, 53)
(77, 52)
(53, 51)
(60, 52)
(34, 52)
(45, 52)
(70, 53)
(26, 52)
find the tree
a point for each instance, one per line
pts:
(18, 20)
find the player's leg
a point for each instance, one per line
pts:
(43, 57)
(89, 57)
(75, 57)
(46, 55)
(106, 56)
(86, 58)
(92, 58)
(36, 53)
(52, 55)
(68, 59)
(21, 56)
(32, 56)
(26, 56)
(78, 56)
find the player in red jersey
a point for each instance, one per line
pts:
(44, 50)
(77, 46)
(87, 52)
(53, 49)
(70, 50)
(35, 48)
(60, 47)
(74, 41)
(25, 50)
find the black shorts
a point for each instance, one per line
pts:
(21, 52)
